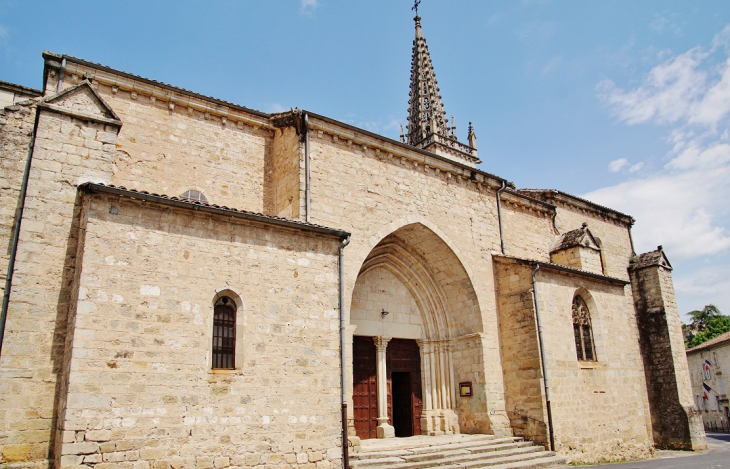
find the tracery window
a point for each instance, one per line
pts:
(194, 196)
(583, 330)
(224, 334)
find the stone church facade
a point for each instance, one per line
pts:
(192, 283)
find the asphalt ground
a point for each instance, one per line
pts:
(716, 456)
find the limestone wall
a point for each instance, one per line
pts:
(169, 149)
(525, 399)
(600, 408)
(141, 389)
(527, 233)
(384, 193)
(68, 151)
(580, 258)
(612, 235)
(377, 290)
(675, 419)
(283, 187)
(16, 128)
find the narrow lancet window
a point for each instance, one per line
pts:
(224, 334)
(583, 331)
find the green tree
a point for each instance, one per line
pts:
(707, 323)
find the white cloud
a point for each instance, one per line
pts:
(636, 167)
(665, 22)
(616, 165)
(707, 285)
(683, 205)
(306, 6)
(622, 163)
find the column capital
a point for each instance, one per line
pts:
(381, 343)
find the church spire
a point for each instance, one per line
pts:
(428, 126)
(425, 110)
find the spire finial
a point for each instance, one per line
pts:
(415, 6)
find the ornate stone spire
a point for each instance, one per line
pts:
(425, 110)
(427, 123)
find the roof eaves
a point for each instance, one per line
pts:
(216, 209)
(20, 88)
(627, 218)
(86, 63)
(560, 268)
(410, 148)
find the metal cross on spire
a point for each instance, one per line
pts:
(415, 6)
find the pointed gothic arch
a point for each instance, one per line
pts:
(419, 261)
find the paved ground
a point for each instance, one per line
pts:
(717, 456)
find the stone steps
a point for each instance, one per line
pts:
(457, 452)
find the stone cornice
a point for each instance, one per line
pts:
(156, 90)
(499, 258)
(558, 197)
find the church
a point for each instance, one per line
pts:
(190, 283)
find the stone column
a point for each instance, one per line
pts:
(452, 383)
(435, 395)
(425, 374)
(384, 430)
(445, 404)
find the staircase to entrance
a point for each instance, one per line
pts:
(451, 452)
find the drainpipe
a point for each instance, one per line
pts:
(60, 75)
(307, 190)
(555, 226)
(16, 233)
(542, 357)
(343, 355)
(499, 214)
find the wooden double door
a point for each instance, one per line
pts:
(403, 366)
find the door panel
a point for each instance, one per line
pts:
(364, 393)
(403, 356)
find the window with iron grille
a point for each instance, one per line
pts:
(224, 334)
(583, 330)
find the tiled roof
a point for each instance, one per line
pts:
(650, 258)
(575, 197)
(222, 209)
(570, 270)
(710, 343)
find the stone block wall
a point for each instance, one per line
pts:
(527, 233)
(141, 391)
(68, 151)
(524, 393)
(283, 173)
(379, 289)
(168, 148)
(676, 421)
(612, 236)
(16, 129)
(580, 258)
(599, 408)
(385, 193)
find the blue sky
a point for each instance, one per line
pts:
(625, 102)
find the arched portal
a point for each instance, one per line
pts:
(411, 291)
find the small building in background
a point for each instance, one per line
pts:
(706, 364)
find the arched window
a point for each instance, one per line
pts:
(583, 330)
(194, 196)
(224, 334)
